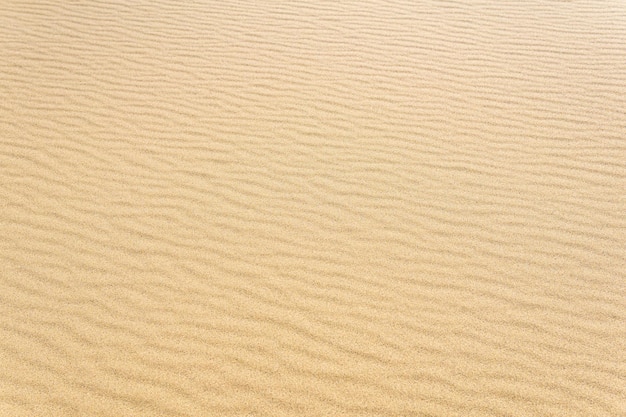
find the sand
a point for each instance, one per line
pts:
(322, 208)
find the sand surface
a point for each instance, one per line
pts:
(321, 208)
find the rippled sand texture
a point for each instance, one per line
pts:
(312, 208)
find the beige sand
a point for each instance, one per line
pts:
(322, 208)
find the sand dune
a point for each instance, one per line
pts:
(254, 208)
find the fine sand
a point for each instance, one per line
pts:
(320, 208)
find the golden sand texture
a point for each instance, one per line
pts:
(321, 208)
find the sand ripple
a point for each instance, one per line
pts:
(317, 208)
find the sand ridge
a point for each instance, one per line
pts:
(312, 208)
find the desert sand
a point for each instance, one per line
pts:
(321, 208)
